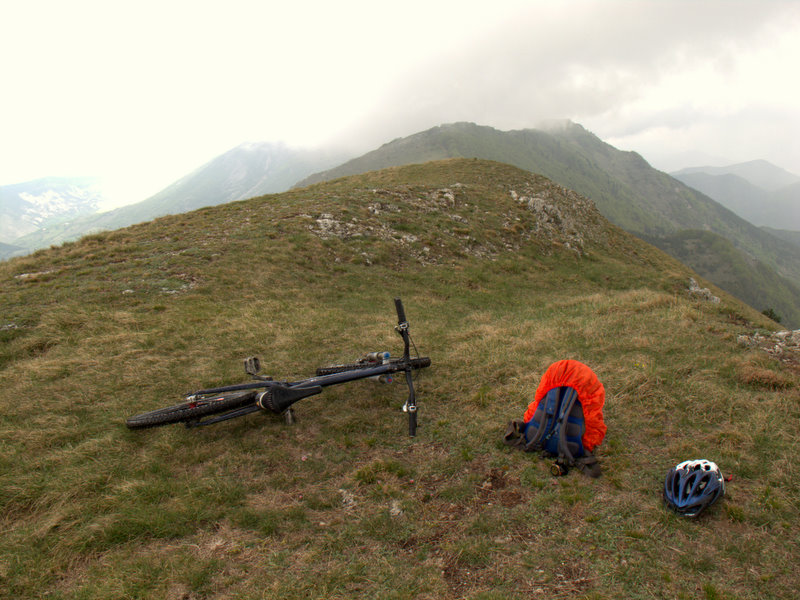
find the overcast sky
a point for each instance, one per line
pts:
(144, 92)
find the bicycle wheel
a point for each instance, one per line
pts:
(416, 363)
(189, 411)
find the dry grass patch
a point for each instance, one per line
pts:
(755, 374)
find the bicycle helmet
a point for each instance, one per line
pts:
(692, 486)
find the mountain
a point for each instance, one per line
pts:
(7, 250)
(786, 203)
(759, 173)
(790, 193)
(243, 172)
(770, 206)
(27, 207)
(502, 272)
(720, 261)
(625, 188)
(792, 236)
(732, 191)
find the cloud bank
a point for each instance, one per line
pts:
(145, 93)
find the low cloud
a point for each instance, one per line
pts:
(86, 96)
(632, 72)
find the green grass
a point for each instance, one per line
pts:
(753, 265)
(343, 504)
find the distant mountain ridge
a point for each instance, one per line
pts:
(624, 187)
(784, 234)
(29, 206)
(9, 250)
(757, 191)
(626, 190)
(759, 173)
(249, 170)
(246, 171)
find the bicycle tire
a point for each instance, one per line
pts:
(189, 411)
(416, 363)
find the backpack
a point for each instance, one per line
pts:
(565, 419)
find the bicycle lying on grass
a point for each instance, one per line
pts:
(228, 402)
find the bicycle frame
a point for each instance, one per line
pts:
(282, 394)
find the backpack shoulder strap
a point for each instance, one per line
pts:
(589, 466)
(566, 408)
(588, 462)
(515, 435)
(545, 418)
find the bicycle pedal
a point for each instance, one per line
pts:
(252, 365)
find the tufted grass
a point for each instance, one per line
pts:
(343, 504)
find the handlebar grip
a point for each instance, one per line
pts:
(401, 313)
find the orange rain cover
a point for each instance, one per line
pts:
(591, 393)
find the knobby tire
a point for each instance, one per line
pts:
(190, 411)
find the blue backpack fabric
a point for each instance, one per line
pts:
(557, 425)
(556, 430)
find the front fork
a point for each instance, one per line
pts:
(410, 406)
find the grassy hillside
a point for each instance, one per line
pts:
(626, 190)
(501, 273)
(778, 209)
(242, 172)
(789, 236)
(624, 187)
(717, 258)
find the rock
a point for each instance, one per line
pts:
(701, 293)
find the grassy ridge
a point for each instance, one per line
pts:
(626, 190)
(717, 258)
(343, 504)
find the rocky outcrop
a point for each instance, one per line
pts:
(462, 219)
(782, 345)
(702, 293)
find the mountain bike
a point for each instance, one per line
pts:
(209, 406)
